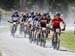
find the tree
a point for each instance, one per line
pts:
(8, 4)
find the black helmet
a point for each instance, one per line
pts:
(16, 12)
(58, 14)
(32, 13)
(44, 14)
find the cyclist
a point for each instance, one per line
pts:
(48, 19)
(42, 29)
(36, 25)
(15, 21)
(48, 29)
(23, 20)
(31, 26)
(42, 23)
(55, 22)
(15, 17)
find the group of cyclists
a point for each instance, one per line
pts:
(36, 23)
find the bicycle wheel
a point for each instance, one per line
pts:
(41, 39)
(44, 39)
(58, 42)
(13, 30)
(25, 32)
(30, 37)
(54, 42)
(21, 28)
(37, 39)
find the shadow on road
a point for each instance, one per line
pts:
(66, 50)
(61, 49)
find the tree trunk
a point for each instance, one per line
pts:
(23, 4)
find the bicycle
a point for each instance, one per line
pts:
(42, 37)
(21, 27)
(56, 39)
(31, 34)
(14, 28)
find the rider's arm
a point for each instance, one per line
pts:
(20, 19)
(39, 23)
(64, 23)
(50, 23)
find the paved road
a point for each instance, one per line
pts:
(20, 46)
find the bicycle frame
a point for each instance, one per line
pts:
(14, 28)
(43, 37)
(56, 40)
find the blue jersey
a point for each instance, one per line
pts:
(36, 21)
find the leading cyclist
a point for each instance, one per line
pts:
(55, 23)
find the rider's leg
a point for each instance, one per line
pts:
(38, 33)
(52, 35)
(20, 28)
(16, 27)
(35, 32)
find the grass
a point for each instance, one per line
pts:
(0, 53)
(67, 40)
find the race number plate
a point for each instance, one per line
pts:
(58, 30)
(43, 28)
(47, 25)
(14, 23)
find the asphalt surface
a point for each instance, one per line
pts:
(20, 46)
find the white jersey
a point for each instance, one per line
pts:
(15, 18)
(31, 21)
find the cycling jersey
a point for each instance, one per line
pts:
(43, 22)
(36, 21)
(48, 20)
(56, 22)
(15, 18)
(30, 21)
(24, 18)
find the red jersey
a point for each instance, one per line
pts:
(56, 22)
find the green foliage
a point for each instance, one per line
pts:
(8, 4)
(68, 40)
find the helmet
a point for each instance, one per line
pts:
(32, 13)
(44, 14)
(39, 14)
(58, 14)
(36, 19)
(16, 12)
